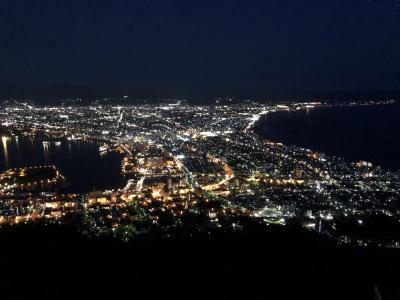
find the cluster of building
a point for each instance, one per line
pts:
(196, 168)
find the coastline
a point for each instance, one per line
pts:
(305, 139)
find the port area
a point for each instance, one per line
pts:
(30, 178)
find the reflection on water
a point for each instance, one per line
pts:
(4, 140)
(69, 151)
(46, 151)
(17, 146)
(79, 161)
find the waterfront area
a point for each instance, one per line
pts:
(80, 161)
(353, 133)
(200, 150)
(176, 169)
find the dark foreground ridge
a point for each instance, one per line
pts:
(51, 261)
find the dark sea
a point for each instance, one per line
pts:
(370, 133)
(79, 161)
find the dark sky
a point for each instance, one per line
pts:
(186, 47)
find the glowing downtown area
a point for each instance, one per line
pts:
(189, 168)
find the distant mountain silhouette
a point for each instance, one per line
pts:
(55, 94)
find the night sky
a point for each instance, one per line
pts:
(263, 48)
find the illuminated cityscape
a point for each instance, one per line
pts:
(200, 149)
(189, 169)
